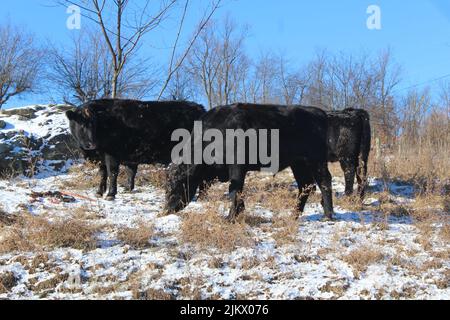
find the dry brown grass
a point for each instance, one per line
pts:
(152, 294)
(31, 233)
(352, 203)
(138, 237)
(151, 175)
(6, 219)
(446, 204)
(425, 167)
(7, 281)
(275, 195)
(285, 230)
(445, 232)
(360, 259)
(84, 177)
(338, 289)
(210, 230)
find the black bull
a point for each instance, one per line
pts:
(302, 147)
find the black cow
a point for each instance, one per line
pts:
(129, 132)
(349, 141)
(302, 146)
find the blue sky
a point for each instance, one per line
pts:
(418, 32)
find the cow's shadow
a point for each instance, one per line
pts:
(364, 217)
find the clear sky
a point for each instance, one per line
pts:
(418, 32)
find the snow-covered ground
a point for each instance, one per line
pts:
(362, 255)
(314, 265)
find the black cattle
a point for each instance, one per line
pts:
(129, 132)
(349, 141)
(302, 146)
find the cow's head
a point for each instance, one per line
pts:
(83, 126)
(181, 187)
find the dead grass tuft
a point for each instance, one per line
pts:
(138, 237)
(337, 289)
(353, 203)
(7, 281)
(210, 230)
(151, 175)
(400, 211)
(285, 230)
(152, 294)
(84, 177)
(276, 194)
(30, 233)
(445, 232)
(446, 204)
(360, 259)
(6, 219)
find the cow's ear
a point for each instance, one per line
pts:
(88, 113)
(71, 115)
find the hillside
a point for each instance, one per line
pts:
(58, 241)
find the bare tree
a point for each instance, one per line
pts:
(264, 79)
(387, 79)
(414, 112)
(181, 87)
(124, 24)
(175, 64)
(20, 63)
(317, 92)
(84, 72)
(293, 84)
(218, 62)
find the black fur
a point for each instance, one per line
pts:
(303, 147)
(129, 132)
(349, 141)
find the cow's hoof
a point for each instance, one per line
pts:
(110, 198)
(99, 195)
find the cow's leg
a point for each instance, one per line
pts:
(113, 172)
(131, 170)
(349, 168)
(323, 178)
(237, 180)
(306, 184)
(103, 179)
(361, 177)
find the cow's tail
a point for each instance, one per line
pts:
(366, 141)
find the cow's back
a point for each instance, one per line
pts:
(141, 132)
(302, 130)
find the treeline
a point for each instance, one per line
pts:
(214, 67)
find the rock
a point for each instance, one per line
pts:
(61, 147)
(64, 108)
(19, 154)
(23, 113)
(28, 152)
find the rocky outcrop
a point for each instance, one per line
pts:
(34, 138)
